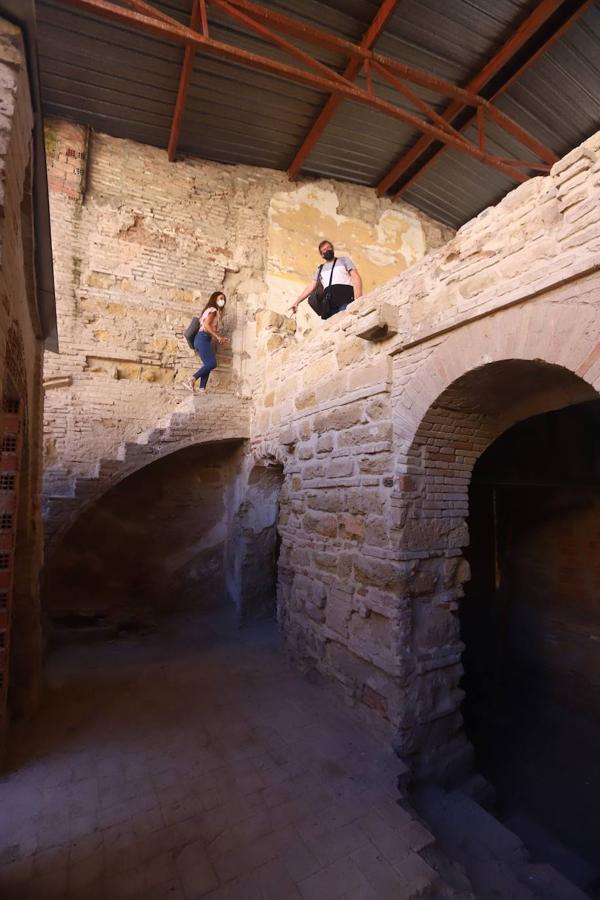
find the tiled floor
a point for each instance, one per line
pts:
(197, 763)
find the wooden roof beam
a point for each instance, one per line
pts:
(544, 10)
(379, 22)
(184, 78)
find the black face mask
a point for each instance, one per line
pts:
(328, 255)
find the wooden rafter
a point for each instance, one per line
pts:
(543, 12)
(326, 79)
(184, 83)
(379, 22)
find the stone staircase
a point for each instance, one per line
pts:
(197, 420)
(495, 859)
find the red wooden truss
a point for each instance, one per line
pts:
(435, 128)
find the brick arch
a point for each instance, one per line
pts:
(268, 453)
(476, 384)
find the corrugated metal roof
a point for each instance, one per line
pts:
(557, 99)
(125, 82)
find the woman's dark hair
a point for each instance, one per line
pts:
(212, 301)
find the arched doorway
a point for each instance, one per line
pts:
(155, 543)
(446, 526)
(255, 542)
(435, 473)
(530, 622)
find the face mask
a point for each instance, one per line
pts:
(220, 303)
(328, 255)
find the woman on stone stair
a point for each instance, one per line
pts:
(210, 323)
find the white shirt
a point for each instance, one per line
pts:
(341, 273)
(205, 316)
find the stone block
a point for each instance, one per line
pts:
(325, 443)
(349, 351)
(378, 572)
(373, 630)
(376, 324)
(375, 432)
(327, 501)
(339, 418)
(320, 523)
(305, 399)
(268, 320)
(338, 613)
(372, 375)
(352, 527)
(339, 468)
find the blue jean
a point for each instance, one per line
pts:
(203, 347)
(339, 309)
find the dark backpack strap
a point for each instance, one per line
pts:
(331, 273)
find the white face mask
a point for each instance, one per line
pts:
(220, 303)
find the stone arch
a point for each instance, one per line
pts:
(61, 512)
(467, 391)
(153, 543)
(268, 453)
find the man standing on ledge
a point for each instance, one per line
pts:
(346, 283)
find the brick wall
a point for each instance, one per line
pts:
(140, 243)
(20, 374)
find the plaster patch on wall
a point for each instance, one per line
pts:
(128, 370)
(298, 219)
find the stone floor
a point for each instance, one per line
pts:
(197, 763)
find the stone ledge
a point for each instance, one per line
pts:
(58, 381)
(376, 324)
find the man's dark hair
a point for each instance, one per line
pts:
(324, 242)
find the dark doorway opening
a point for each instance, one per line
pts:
(530, 620)
(259, 542)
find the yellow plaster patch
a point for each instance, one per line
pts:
(299, 219)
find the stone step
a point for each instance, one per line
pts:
(496, 860)
(545, 846)
(150, 436)
(108, 467)
(484, 829)
(135, 451)
(86, 487)
(60, 503)
(548, 884)
(178, 419)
